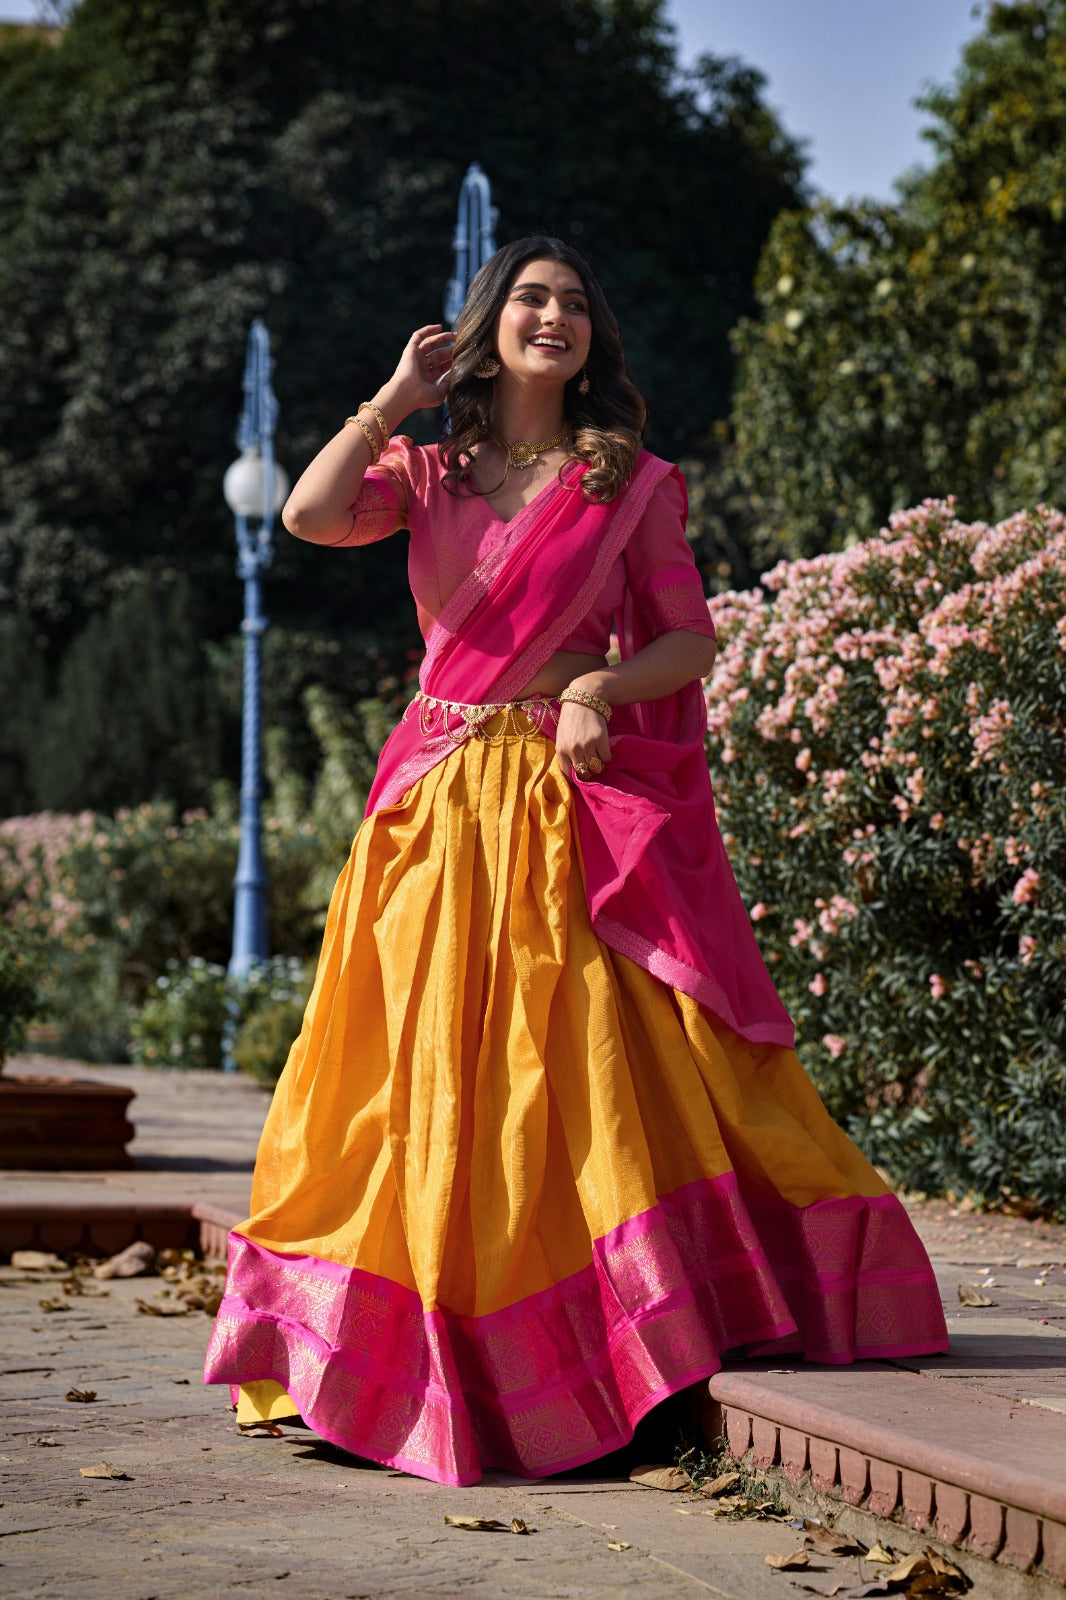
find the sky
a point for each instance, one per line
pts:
(842, 74)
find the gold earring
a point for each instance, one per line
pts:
(488, 368)
(584, 386)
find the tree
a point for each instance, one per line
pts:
(920, 349)
(167, 173)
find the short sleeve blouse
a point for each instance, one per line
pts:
(452, 532)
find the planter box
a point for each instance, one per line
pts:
(63, 1125)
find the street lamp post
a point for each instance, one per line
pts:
(474, 242)
(255, 487)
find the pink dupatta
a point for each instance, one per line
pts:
(659, 885)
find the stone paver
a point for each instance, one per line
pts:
(207, 1512)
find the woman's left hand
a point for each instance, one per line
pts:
(581, 741)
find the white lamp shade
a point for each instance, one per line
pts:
(244, 488)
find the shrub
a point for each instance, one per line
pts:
(148, 888)
(20, 973)
(275, 999)
(888, 742)
(183, 1021)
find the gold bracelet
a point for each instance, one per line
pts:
(594, 702)
(372, 444)
(379, 418)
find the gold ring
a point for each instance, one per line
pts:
(579, 766)
(596, 764)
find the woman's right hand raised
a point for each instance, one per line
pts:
(422, 373)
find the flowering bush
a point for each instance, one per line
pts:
(888, 740)
(31, 849)
(183, 1021)
(20, 979)
(275, 998)
(124, 895)
(183, 1018)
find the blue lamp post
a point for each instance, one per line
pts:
(255, 487)
(474, 242)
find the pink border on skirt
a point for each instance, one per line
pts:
(563, 1376)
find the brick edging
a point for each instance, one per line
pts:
(893, 1475)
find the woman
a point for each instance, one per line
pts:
(542, 1153)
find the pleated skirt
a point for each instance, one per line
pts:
(512, 1190)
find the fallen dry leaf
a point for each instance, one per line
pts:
(830, 1587)
(477, 1524)
(969, 1296)
(943, 1566)
(84, 1395)
(720, 1484)
(909, 1567)
(879, 1553)
(74, 1284)
(103, 1469)
(37, 1261)
(53, 1305)
(794, 1561)
(169, 1308)
(47, 1443)
(668, 1478)
(136, 1259)
(828, 1542)
(518, 1526)
(618, 1544)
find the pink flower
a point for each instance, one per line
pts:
(1026, 948)
(937, 985)
(834, 1044)
(818, 984)
(1025, 890)
(758, 911)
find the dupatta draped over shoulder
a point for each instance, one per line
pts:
(659, 885)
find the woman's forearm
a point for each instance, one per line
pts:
(661, 668)
(319, 509)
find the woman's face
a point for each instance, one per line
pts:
(544, 329)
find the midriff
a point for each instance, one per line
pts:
(559, 670)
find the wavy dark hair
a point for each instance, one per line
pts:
(607, 423)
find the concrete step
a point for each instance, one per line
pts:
(979, 1471)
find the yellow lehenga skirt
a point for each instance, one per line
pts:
(512, 1190)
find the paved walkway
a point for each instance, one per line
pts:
(205, 1510)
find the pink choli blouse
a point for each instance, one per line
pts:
(452, 532)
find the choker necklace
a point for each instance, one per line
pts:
(523, 452)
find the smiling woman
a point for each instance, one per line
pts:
(543, 1152)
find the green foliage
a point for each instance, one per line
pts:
(149, 888)
(183, 1020)
(917, 349)
(274, 1004)
(168, 173)
(21, 963)
(131, 698)
(888, 740)
(183, 1017)
(127, 902)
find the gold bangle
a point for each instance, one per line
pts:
(379, 418)
(372, 444)
(594, 702)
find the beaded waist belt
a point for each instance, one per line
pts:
(460, 720)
